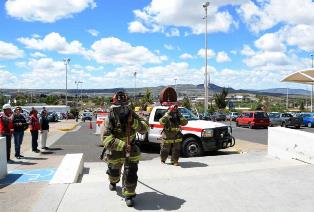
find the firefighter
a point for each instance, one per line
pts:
(6, 127)
(171, 134)
(119, 143)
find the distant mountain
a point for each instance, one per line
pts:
(284, 91)
(215, 88)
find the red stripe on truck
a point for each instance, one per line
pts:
(183, 128)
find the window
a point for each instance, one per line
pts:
(260, 115)
(187, 114)
(159, 113)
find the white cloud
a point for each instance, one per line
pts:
(7, 79)
(173, 32)
(267, 58)
(138, 27)
(168, 47)
(93, 32)
(270, 42)
(38, 54)
(186, 56)
(114, 51)
(267, 14)
(222, 57)
(210, 53)
(9, 51)
(54, 42)
(160, 15)
(47, 11)
(247, 51)
(300, 35)
(92, 68)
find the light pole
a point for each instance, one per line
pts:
(66, 63)
(287, 101)
(312, 56)
(77, 96)
(175, 84)
(134, 74)
(205, 6)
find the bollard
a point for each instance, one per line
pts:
(3, 158)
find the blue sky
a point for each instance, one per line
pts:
(251, 44)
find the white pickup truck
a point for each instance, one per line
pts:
(198, 135)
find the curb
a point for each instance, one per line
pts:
(69, 129)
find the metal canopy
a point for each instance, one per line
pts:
(305, 76)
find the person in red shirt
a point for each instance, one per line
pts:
(34, 127)
(6, 127)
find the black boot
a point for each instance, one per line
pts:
(112, 187)
(129, 201)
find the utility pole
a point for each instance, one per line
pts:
(66, 63)
(134, 74)
(205, 6)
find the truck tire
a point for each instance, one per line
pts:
(191, 147)
(309, 125)
(283, 124)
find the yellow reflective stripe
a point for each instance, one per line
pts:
(127, 193)
(116, 161)
(135, 124)
(107, 140)
(135, 158)
(175, 129)
(120, 145)
(125, 138)
(170, 141)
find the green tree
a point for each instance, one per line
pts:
(220, 99)
(146, 99)
(302, 106)
(186, 103)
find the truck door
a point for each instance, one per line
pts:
(154, 134)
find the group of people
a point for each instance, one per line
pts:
(119, 143)
(15, 123)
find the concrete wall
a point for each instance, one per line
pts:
(3, 158)
(286, 143)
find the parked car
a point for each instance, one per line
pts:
(218, 116)
(284, 120)
(87, 116)
(232, 116)
(308, 119)
(253, 119)
(60, 115)
(52, 116)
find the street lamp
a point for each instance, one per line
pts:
(205, 6)
(134, 74)
(66, 63)
(175, 84)
(77, 85)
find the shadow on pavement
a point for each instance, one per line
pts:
(9, 179)
(33, 158)
(55, 149)
(155, 200)
(191, 164)
(21, 163)
(47, 153)
(218, 153)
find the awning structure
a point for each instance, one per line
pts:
(305, 76)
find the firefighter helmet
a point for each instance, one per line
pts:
(120, 98)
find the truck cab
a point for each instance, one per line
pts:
(198, 135)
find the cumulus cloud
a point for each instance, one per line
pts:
(114, 51)
(9, 51)
(47, 11)
(186, 56)
(247, 51)
(162, 16)
(38, 54)
(300, 35)
(210, 53)
(267, 58)
(265, 15)
(222, 57)
(168, 47)
(7, 79)
(93, 32)
(270, 42)
(173, 32)
(54, 42)
(137, 27)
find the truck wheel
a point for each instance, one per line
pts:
(309, 125)
(283, 124)
(191, 147)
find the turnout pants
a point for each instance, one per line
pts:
(116, 160)
(165, 148)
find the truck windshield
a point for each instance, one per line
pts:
(187, 114)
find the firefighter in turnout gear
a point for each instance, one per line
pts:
(171, 134)
(119, 143)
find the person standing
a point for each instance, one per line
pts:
(6, 127)
(119, 143)
(171, 134)
(34, 128)
(20, 124)
(44, 128)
